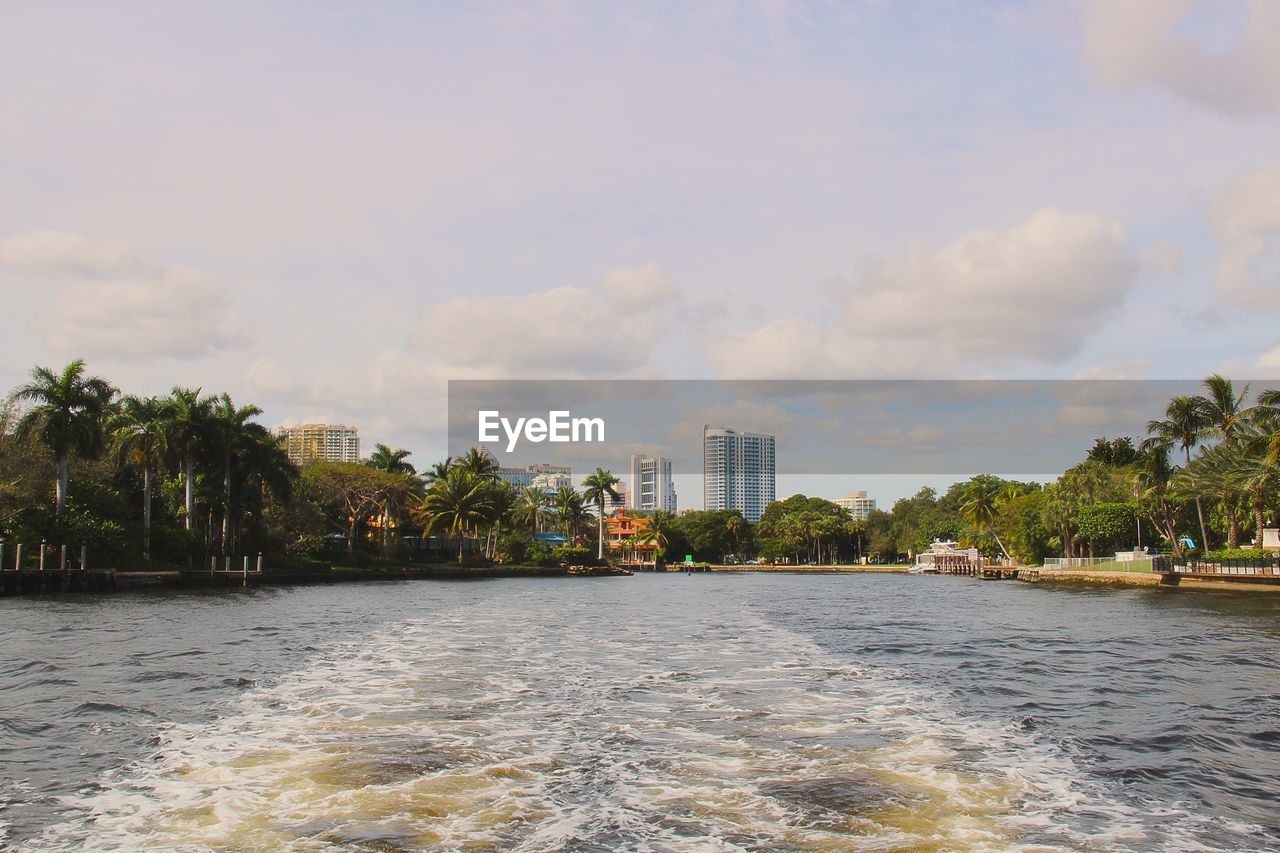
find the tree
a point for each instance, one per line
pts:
(350, 492)
(598, 486)
(230, 429)
(68, 414)
(458, 503)
(661, 528)
(137, 430)
(392, 462)
(479, 462)
(981, 496)
(1185, 423)
(569, 510)
(188, 427)
(529, 507)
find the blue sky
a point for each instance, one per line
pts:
(331, 209)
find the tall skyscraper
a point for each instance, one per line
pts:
(738, 470)
(321, 443)
(651, 485)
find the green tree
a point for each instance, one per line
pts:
(598, 486)
(459, 503)
(529, 507)
(188, 425)
(392, 462)
(1185, 423)
(137, 430)
(67, 414)
(230, 430)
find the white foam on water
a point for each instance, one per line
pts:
(535, 730)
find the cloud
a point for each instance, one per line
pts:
(609, 329)
(1034, 292)
(1270, 359)
(61, 254)
(1146, 43)
(114, 303)
(1245, 218)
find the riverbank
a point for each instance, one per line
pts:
(1137, 579)
(822, 570)
(332, 574)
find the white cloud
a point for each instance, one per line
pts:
(1245, 218)
(114, 303)
(611, 328)
(1143, 42)
(1270, 359)
(61, 254)
(1035, 292)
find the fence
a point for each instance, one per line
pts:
(1265, 567)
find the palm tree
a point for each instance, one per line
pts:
(67, 416)
(438, 471)
(229, 430)
(1185, 424)
(569, 509)
(390, 461)
(598, 486)
(459, 502)
(662, 523)
(479, 462)
(188, 428)
(981, 497)
(138, 434)
(1223, 408)
(529, 507)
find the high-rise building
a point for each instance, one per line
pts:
(651, 485)
(738, 470)
(858, 504)
(321, 443)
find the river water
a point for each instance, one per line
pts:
(875, 712)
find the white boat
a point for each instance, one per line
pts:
(944, 555)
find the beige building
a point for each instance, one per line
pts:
(321, 443)
(858, 504)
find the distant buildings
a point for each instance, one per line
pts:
(321, 443)
(738, 470)
(858, 504)
(651, 486)
(541, 475)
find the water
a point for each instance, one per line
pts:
(704, 711)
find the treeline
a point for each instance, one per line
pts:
(188, 475)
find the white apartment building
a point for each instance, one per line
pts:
(651, 486)
(540, 474)
(738, 470)
(858, 504)
(321, 443)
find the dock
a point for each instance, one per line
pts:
(49, 581)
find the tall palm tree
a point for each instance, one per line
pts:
(188, 426)
(68, 416)
(137, 430)
(1223, 409)
(529, 507)
(598, 486)
(438, 471)
(479, 462)
(980, 507)
(458, 503)
(569, 510)
(1185, 424)
(390, 461)
(230, 428)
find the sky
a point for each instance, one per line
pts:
(331, 209)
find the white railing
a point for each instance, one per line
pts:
(1075, 562)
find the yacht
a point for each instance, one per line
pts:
(944, 555)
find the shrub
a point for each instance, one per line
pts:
(1237, 554)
